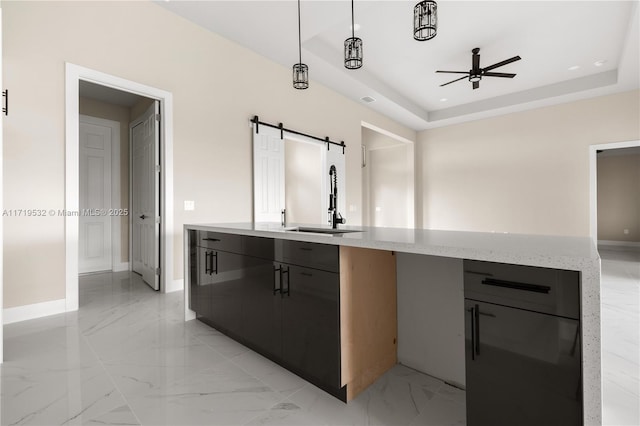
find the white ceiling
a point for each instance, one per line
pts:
(619, 151)
(107, 94)
(399, 72)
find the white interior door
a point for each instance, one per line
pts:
(95, 198)
(145, 195)
(268, 174)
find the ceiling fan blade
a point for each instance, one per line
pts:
(499, 64)
(476, 84)
(498, 74)
(453, 81)
(455, 72)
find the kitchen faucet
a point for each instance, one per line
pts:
(334, 217)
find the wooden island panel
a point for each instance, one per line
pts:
(368, 316)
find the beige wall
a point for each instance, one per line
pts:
(619, 198)
(526, 172)
(389, 191)
(217, 86)
(303, 176)
(94, 108)
(387, 181)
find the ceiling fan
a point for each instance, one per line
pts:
(476, 73)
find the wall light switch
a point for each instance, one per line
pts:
(189, 205)
(626, 232)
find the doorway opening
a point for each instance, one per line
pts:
(388, 179)
(116, 129)
(611, 190)
(156, 114)
(615, 228)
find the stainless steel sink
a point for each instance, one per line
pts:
(327, 231)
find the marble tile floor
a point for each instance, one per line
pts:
(620, 300)
(127, 358)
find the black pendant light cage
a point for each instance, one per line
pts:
(300, 76)
(353, 48)
(425, 20)
(353, 53)
(300, 70)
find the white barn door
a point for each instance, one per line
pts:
(145, 194)
(268, 174)
(95, 198)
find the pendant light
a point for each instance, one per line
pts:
(425, 20)
(352, 48)
(300, 70)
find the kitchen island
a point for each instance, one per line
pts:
(561, 253)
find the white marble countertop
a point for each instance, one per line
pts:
(572, 253)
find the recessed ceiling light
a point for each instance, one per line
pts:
(356, 27)
(599, 63)
(443, 100)
(367, 99)
(573, 68)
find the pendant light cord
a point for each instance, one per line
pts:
(299, 37)
(353, 35)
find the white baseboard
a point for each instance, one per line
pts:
(122, 266)
(626, 244)
(175, 285)
(36, 310)
(189, 315)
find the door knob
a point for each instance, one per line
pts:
(142, 217)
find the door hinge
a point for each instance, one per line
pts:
(157, 271)
(158, 219)
(157, 168)
(157, 117)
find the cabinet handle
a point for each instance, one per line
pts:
(306, 274)
(517, 286)
(282, 292)
(210, 239)
(477, 330)
(279, 270)
(306, 249)
(473, 333)
(207, 270)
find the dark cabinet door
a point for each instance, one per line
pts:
(311, 323)
(261, 306)
(194, 281)
(311, 255)
(225, 278)
(201, 285)
(522, 367)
